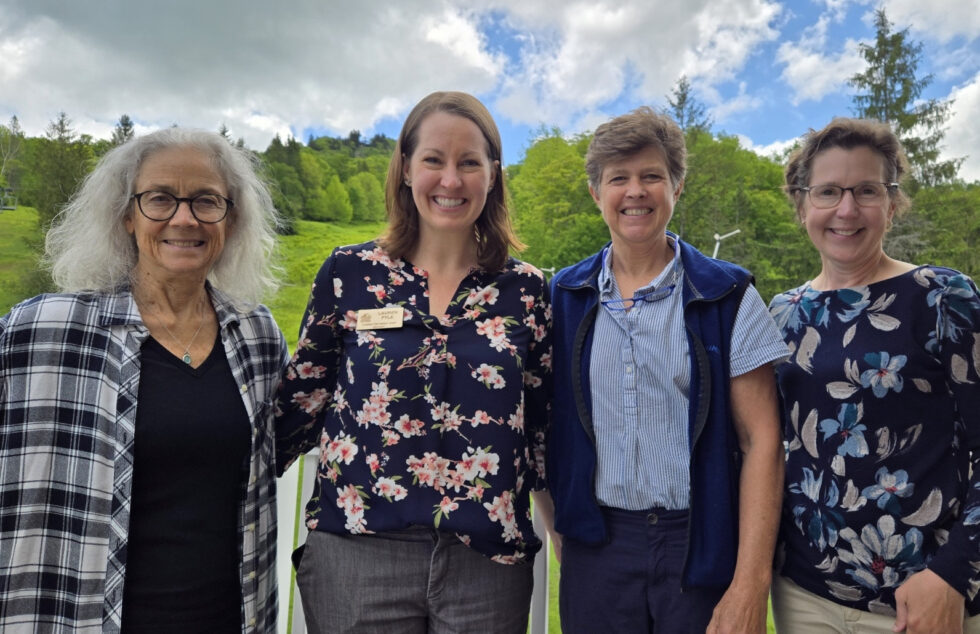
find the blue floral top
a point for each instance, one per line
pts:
(881, 413)
(437, 422)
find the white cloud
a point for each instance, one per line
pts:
(810, 71)
(939, 19)
(774, 150)
(963, 133)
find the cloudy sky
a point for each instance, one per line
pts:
(766, 70)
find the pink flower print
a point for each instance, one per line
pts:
(484, 295)
(349, 322)
(475, 493)
(389, 437)
(491, 328)
(303, 342)
(389, 489)
(384, 370)
(486, 463)
(341, 449)
(331, 474)
(407, 426)
(502, 510)
(338, 287)
(349, 499)
(373, 413)
(528, 301)
(440, 411)
(524, 268)
(311, 403)
(379, 291)
(447, 505)
(307, 370)
(516, 420)
(489, 375)
(480, 417)
(395, 279)
(546, 360)
(451, 421)
(290, 373)
(312, 524)
(339, 401)
(372, 462)
(531, 380)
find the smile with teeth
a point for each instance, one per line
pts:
(636, 212)
(442, 201)
(844, 232)
(184, 243)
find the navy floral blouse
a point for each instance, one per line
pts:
(437, 422)
(881, 415)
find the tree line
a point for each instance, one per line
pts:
(728, 187)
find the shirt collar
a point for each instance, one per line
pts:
(670, 275)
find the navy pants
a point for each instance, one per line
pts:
(632, 583)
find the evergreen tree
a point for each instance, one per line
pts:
(63, 161)
(123, 131)
(225, 132)
(889, 90)
(687, 111)
(11, 138)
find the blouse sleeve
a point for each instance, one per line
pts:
(310, 378)
(957, 338)
(538, 385)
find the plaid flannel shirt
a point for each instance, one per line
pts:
(69, 381)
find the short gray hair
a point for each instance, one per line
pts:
(89, 249)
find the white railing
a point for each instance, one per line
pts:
(294, 490)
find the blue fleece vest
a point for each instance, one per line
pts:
(712, 291)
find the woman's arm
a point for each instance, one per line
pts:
(756, 419)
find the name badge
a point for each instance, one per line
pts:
(380, 318)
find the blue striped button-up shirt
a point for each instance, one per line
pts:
(640, 380)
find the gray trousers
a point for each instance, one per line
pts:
(416, 581)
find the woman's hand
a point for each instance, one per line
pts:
(926, 604)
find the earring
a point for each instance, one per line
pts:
(408, 182)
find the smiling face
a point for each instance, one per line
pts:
(179, 249)
(450, 173)
(848, 235)
(637, 199)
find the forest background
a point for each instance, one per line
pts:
(340, 181)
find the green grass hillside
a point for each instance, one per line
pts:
(18, 233)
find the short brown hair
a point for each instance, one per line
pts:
(634, 132)
(494, 233)
(847, 134)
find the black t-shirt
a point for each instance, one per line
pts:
(190, 469)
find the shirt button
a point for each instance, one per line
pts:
(251, 575)
(243, 388)
(250, 527)
(629, 369)
(251, 622)
(652, 518)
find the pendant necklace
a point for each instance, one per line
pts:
(187, 354)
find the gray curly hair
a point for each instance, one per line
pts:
(88, 248)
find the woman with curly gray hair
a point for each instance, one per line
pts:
(136, 454)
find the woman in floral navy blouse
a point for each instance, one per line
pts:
(421, 374)
(881, 409)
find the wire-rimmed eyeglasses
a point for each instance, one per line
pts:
(625, 304)
(865, 194)
(161, 206)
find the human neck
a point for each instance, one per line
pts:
(455, 252)
(641, 262)
(874, 269)
(171, 300)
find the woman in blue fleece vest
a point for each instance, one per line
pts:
(665, 461)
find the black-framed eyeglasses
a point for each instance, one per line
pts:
(625, 304)
(161, 206)
(828, 195)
